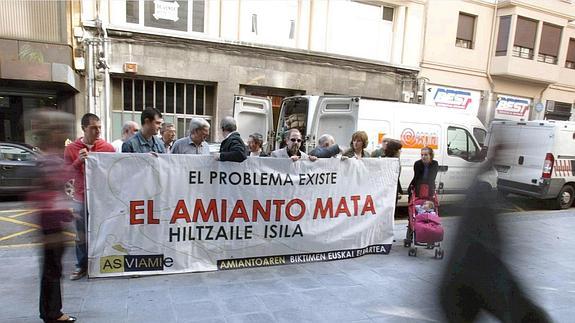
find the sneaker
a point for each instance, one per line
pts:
(78, 273)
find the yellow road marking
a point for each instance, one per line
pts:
(12, 211)
(17, 234)
(517, 207)
(20, 214)
(32, 225)
(35, 244)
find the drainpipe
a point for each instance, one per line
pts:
(90, 78)
(489, 108)
(103, 63)
(537, 115)
(107, 111)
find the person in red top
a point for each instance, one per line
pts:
(52, 207)
(75, 156)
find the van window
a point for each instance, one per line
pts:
(460, 144)
(294, 115)
(480, 136)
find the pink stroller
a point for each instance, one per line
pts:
(424, 227)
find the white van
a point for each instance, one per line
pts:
(455, 136)
(536, 158)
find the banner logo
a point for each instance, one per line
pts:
(130, 263)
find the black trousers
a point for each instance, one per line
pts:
(50, 292)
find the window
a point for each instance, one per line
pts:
(178, 101)
(133, 11)
(460, 144)
(198, 11)
(465, 29)
(555, 110)
(15, 154)
(480, 135)
(388, 13)
(170, 97)
(291, 29)
(167, 14)
(549, 45)
(524, 38)
(570, 61)
(503, 36)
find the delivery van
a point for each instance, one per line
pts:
(535, 158)
(455, 136)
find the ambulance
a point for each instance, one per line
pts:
(455, 136)
(535, 158)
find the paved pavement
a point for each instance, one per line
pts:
(373, 288)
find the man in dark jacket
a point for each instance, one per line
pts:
(233, 147)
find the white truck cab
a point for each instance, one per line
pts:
(535, 158)
(452, 134)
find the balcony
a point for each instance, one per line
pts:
(524, 66)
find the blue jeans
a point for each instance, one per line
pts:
(81, 245)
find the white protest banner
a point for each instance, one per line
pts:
(187, 213)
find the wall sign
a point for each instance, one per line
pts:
(459, 99)
(512, 108)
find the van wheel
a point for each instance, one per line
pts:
(564, 199)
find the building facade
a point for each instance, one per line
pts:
(507, 59)
(36, 66)
(189, 58)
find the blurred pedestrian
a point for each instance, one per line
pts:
(128, 130)
(357, 146)
(145, 140)
(75, 156)
(255, 142)
(168, 133)
(52, 206)
(476, 278)
(195, 143)
(232, 147)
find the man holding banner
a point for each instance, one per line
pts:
(75, 156)
(292, 148)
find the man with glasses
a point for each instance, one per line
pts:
(292, 148)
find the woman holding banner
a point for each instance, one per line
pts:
(357, 146)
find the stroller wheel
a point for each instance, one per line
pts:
(439, 253)
(412, 252)
(406, 243)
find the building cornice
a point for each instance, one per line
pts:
(488, 4)
(521, 4)
(312, 57)
(453, 68)
(562, 87)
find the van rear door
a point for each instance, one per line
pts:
(254, 114)
(522, 150)
(336, 116)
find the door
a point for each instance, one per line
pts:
(17, 168)
(460, 165)
(336, 116)
(254, 114)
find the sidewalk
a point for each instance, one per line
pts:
(373, 288)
